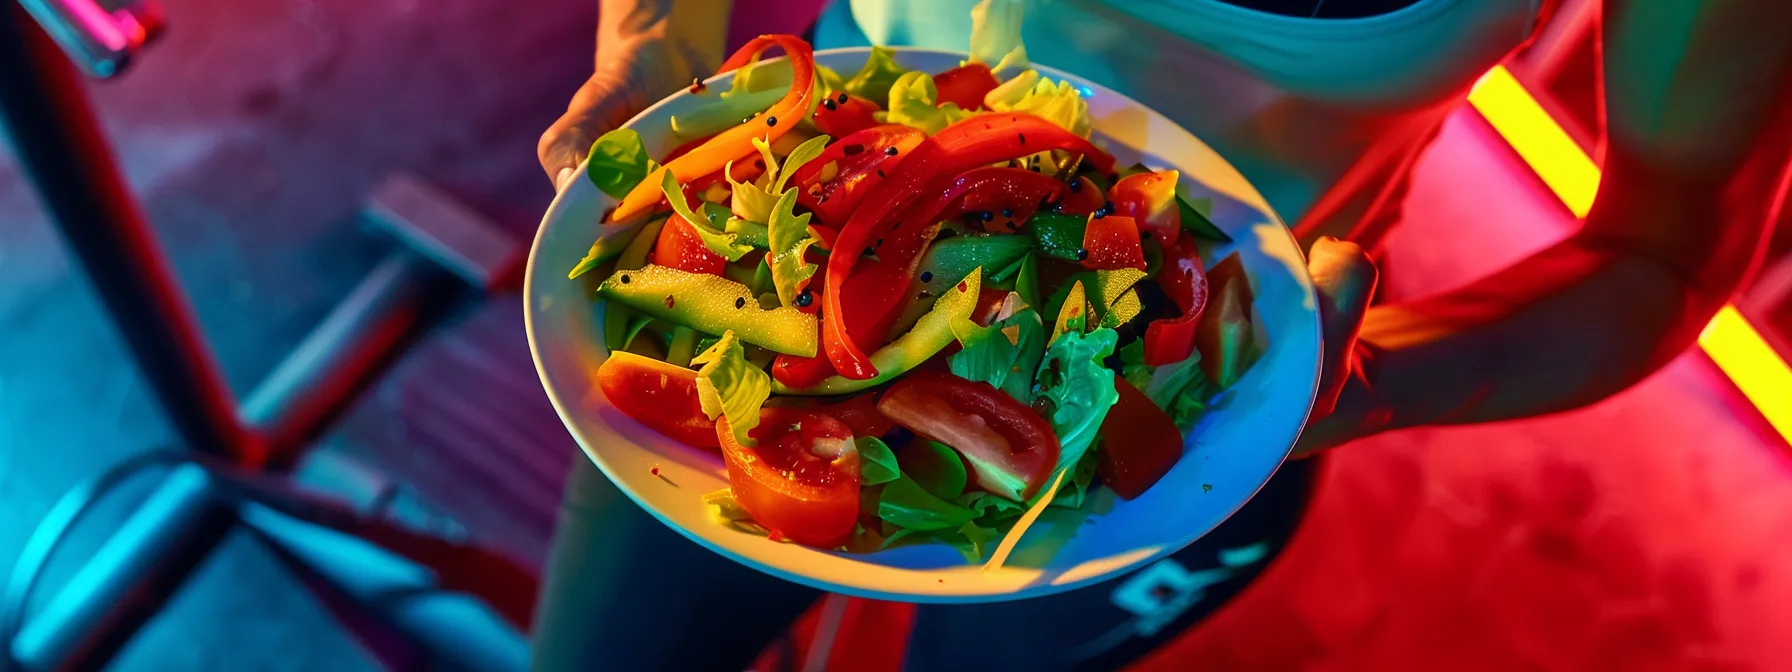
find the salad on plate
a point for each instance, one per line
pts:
(908, 306)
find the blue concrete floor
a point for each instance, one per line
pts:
(253, 132)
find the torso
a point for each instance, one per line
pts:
(1320, 114)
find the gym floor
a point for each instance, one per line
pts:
(1638, 534)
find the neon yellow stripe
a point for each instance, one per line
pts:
(1729, 339)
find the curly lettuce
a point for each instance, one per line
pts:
(1180, 388)
(790, 241)
(914, 102)
(1080, 387)
(1004, 354)
(755, 199)
(724, 244)
(873, 81)
(729, 386)
(1057, 102)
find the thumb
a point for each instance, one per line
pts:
(1344, 279)
(602, 104)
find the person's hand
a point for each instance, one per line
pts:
(1344, 408)
(629, 77)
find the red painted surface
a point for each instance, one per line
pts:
(1643, 533)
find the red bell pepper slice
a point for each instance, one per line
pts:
(1112, 241)
(859, 161)
(1084, 197)
(736, 143)
(841, 115)
(1150, 199)
(1172, 339)
(965, 85)
(878, 292)
(930, 168)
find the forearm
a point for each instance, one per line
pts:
(1582, 320)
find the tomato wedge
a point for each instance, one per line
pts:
(858, 162)
(1223, 332)
(966, 85)
(679, 247)
(842, 115)
(1011, 450)
(1139, 443)
(1112, 242)
(659, 395)
(801, 480)
(859, 412)
(1150, 199)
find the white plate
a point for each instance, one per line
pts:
(1230, 455)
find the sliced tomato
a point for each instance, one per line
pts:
(659, 395)
(1223, 332)
(859, 412)
(842, 115)
(679, 247)
(833, 184)
(1009, 448)
(800, 480)
(1112, 242)
(1139, 443)
(966, 85)
(1150, 199)
(1084, 197)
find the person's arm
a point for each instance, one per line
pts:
(646, 50)
(1697, 107)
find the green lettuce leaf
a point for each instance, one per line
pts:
(730, 386)
(905, 504)
(1004, 354)
(722, 243)
(1080, 387)
(1070, 495)
(1180, 388)
(914, 102)
(618, 162)
(990, 508)
(935, 467)
(971, 540)
(873, 81)
(1197, 216)
(877, 465)
(1026, 282)
(790, 239)
(830, 80)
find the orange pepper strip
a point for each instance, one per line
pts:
(735, 143)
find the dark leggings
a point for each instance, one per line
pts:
(625, 592)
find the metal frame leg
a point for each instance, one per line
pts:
(46, 112)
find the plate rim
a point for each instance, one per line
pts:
(561, 408)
